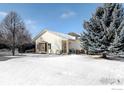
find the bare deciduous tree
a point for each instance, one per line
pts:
(15, 30)
(1, 36)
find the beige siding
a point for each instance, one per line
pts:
(54, 40)
(74, 44)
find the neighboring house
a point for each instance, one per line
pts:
(54, 42)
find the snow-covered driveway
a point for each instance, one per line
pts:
(61, 70)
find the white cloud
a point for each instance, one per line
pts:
(3, 13)
(30, 22)
(68, 14)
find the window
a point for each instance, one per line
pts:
(49, 46)
(38, 46)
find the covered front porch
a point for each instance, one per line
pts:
(43, 47)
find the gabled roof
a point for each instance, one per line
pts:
(38, 35)
(65, 36)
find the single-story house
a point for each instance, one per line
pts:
(54, 42)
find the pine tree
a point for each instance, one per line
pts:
(117, 45)
(84, 42)
(102, 27)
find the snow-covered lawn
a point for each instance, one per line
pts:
(35, 69)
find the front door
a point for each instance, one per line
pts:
(43, 47)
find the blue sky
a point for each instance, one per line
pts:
(57, 17)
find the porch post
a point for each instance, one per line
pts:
(36, 49)
(67, 46)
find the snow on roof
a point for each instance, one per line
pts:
(66, 36)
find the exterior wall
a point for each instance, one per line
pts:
(54, 40)
(74, 44)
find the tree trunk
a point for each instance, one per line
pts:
(13, 51)
(13, 35)
(13, 45)
(104, 55)
(13, 41)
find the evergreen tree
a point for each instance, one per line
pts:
(117, 45)
(84, 42)
(101, 29)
